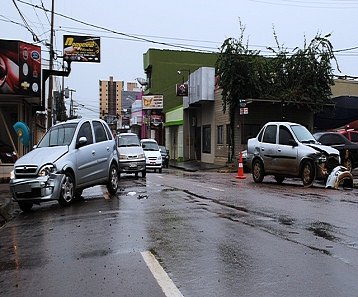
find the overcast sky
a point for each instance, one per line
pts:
(188, 24)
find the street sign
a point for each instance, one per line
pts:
(244, 110)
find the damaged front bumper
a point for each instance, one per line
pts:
(36, 190)
(340, 176)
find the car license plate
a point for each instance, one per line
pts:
(132, 165)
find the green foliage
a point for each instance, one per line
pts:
(304, 77)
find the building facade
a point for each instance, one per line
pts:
(165, 69)
(110, 99)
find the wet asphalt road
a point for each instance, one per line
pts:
(213, 235)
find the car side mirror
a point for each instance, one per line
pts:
(143, 145)
(81, 142)
(292, 142)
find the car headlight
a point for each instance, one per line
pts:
(47, 169)
(322, 159)
(123, 157)
(141, 156)
(12, 174)
(160, 158)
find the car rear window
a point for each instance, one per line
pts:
(270, 134)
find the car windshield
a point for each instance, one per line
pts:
(128, 140)
(150, 146)
(58, 135)
(302, 134)
(163, 149)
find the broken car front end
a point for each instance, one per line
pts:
(28, 184)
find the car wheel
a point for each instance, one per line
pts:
(112, 184)
(308, 174)
(348, 164)
(279, 179)
(144, 173)
(67, 190)
(160, 170)
(136, 175)
(25, 206)
(258, 171)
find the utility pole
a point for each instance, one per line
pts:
(50, 84)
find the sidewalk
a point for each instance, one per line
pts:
(194, 165)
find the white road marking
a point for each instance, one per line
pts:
(163, 279)
(212, 188)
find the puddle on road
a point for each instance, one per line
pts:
(323, 230)
(284, 220)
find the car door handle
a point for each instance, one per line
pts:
(93, 153)
(107, 148)
(262, 149)
(279, 150)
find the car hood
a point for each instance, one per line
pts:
(42, 155)
(324, 149)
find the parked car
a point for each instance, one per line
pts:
(131, 154)
(350, 134)
(153, 157)
(285, 149)
(347, 149)
(7, 153)
(165, 156)
(71, 156)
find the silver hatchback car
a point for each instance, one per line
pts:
(285, 149)
(71, 156)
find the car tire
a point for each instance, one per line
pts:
(160, 170)
(279, 179)
(308, 174)
(348, 164)
(144, 173)
(258, 171)
(112, 184)
(67, 190)
(25, 206)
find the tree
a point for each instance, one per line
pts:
(303, 78)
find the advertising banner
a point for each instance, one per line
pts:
(81, 48)
(182, 90)
(20, 68)
(152, 102)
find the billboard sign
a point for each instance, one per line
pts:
(81, 48)
(20, 68)
(152, 102)
(182, 90)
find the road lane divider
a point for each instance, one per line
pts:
(163, 279)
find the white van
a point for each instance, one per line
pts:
(153, 157)
(131, 154)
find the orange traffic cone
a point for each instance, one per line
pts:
(240, 169)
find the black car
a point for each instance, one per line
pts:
(7, 153)
(348, 150)
(165, 156)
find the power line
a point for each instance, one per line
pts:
(312, 4)
(110, 30)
